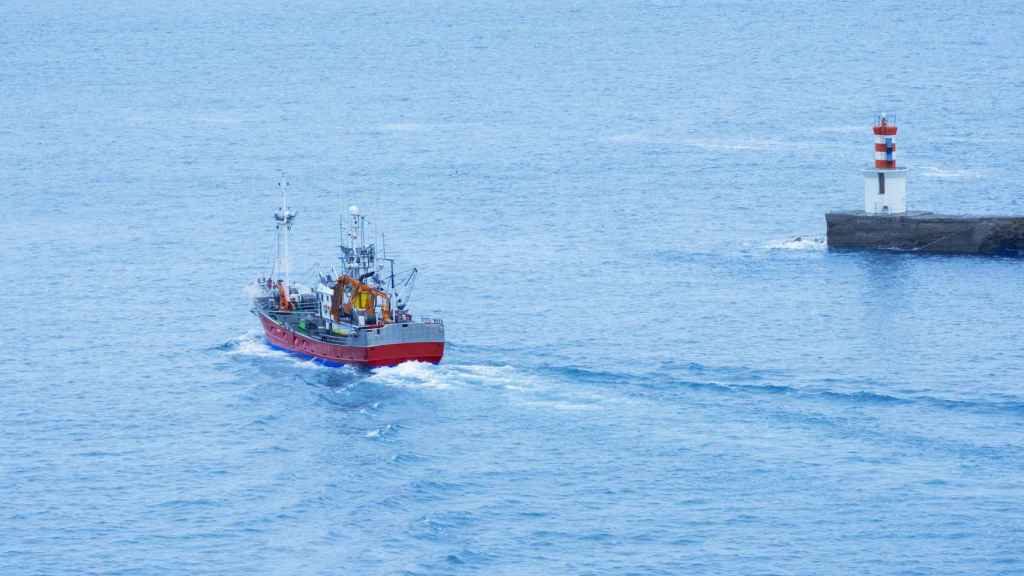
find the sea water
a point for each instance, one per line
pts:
(654, 365)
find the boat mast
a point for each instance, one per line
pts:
(284, 218)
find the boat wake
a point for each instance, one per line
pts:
(534, 389)
(572, 389)
(411, 375)
(423, 375)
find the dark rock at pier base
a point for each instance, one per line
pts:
(926, 232)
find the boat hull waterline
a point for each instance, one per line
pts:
(390, 352)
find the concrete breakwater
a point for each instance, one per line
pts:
(926, 232)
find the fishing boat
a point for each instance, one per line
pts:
(357, 313)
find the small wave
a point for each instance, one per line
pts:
(560, 405)
(226, 119)
(736, 145)
(951, 174)
(191, 503)
(668, 137)
(742, 380)
(865, 397)
(748, 144)
(577, 374)
(408, 458)
(379, 432)
(634, 138)
(404, 127)
(251, 343)
(803, 243)
(848, 129)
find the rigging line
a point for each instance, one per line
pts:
(341, 217)
(376, 208)
(311, 269)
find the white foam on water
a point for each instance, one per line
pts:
(848, 129)
(641, 137)
(530, 390)
(484, 374)
(252, 344)
(560, 405)
(307, 362)
(411, 375)
(950, 174)
(378, 432)
(716, 145)
(743, 144)
(425, 376)
(803, 243)
(730, 146)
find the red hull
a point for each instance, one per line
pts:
(371, 356)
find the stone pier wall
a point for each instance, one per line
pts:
(927, 232)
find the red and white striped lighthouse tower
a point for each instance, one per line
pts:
(885, 142)
(885, 185)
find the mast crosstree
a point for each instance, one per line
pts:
(284, 218)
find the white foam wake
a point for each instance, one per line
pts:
(411, 375)
(523, 388)
(422, 375)
(252, 344)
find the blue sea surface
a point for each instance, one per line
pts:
(654, 364)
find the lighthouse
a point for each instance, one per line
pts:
(885, 224)
(885, 185)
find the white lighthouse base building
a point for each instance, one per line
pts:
(885, 190)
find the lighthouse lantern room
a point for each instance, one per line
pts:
(885, 185)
